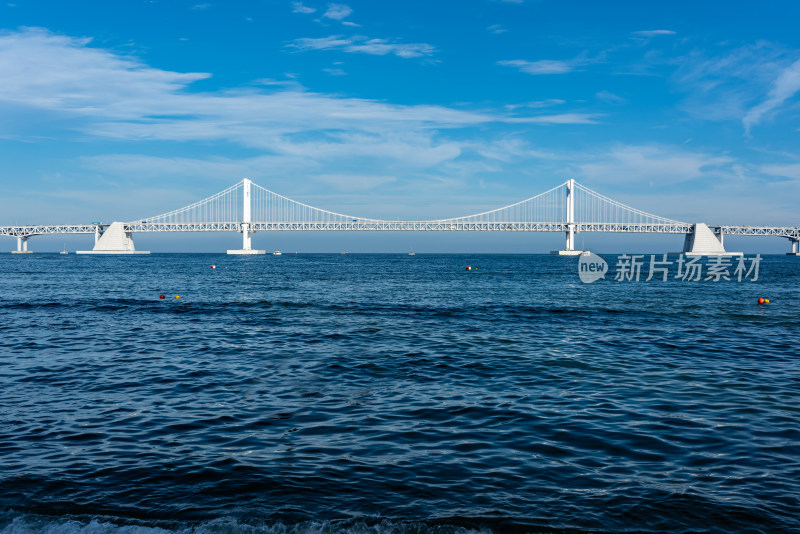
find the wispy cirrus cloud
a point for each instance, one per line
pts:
(543, 66)
(609, 97)
(656, 178)
(537, 104)
(652, 33)
(120, 97)
(659, 165)
(354, 182)
(496, 29)
(338, 12)
(560, 118)
(784, 170)
(299, 7)
(294, 134)
(364, 45)
(785, 86)
(44, 70)
(546, 66)
(335, 71)
(748, 84)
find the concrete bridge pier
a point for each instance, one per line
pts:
(22, 246)
(703, 241)
(570, 245)
(795, 248)
(112, 240)
(247, 243)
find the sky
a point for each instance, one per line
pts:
(399, 110)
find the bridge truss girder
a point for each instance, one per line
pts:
(789, 232)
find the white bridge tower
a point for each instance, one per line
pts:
(246, 229)
(569, 249)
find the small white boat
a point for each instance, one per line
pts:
(276, 253)
(411, 254)
(64, 251)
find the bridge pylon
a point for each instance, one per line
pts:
(245, 227)
(569, 248)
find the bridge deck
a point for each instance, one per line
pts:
(407, 226)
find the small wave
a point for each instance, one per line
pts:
(30, 524)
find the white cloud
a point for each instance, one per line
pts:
(357, 153)
(200, 7)
(354, 182)
(652, 33)
(785, 86)
(509, 150)
(496, 29)
(338, 11)
(298, 7)
(381, 47)
(547, 66)
(537, 104)
(657, 165)
(609, 97)
(791, 170)
(121, 97)
(95, 93)
(733, 86)
(364, 45)
(43, 70)
(561, 118)
(322, 43)
(543, 66)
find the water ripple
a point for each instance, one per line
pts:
(378, 394)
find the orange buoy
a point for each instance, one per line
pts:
(177, 296)
(213, 266)
(760, 300)
(766, 301)
(161, 296)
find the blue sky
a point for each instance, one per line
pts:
(402, 110)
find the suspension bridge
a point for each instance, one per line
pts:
(246, 207)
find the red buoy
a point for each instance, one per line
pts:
(760, 300)
(469, 268)
(161, 296)
(213, 266)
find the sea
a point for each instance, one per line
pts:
(381, 393)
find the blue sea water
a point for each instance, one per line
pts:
(393, 393)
